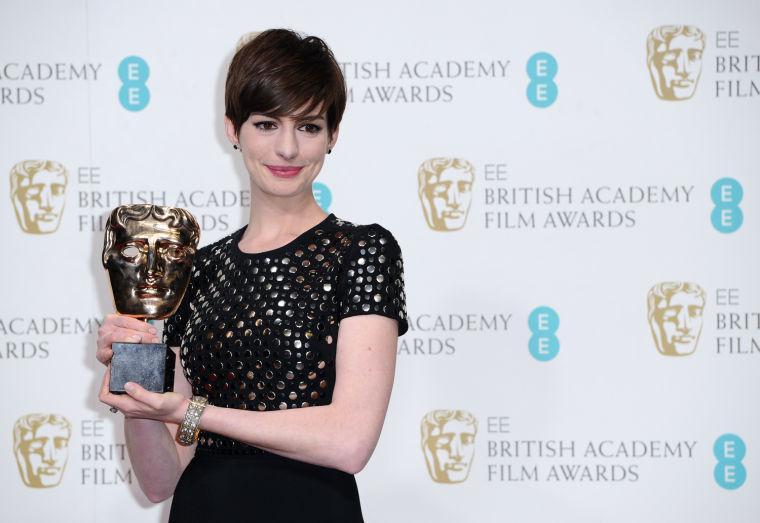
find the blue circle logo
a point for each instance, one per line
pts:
(543, 323)
(729, 472)
(134, 95)
(322, 194)
(727, 216)
(542, 91)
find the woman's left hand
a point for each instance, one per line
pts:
(168, 407)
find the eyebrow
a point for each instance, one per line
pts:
(310, 118)
(300, 119)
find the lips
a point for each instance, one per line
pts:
(284, 171)
(150, 291)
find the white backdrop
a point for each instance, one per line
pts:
(428, 80)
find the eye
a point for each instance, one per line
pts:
(468, 439)
(130, 251)
(174, 252)
(58, 189)
(35, 445)
(311, 128)
(33, 191)
(669, 57)
(443, 441)
(61, 443)
(695, 311)
(464, 186)
(265, 125)
(440, 189)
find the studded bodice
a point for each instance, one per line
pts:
(259, 331)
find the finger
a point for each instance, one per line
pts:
(104, 355)
(128, 336)
(105, 395)
(107, 336)
(127, 322)
(135, 391)
(124, 403)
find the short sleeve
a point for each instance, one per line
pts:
(373, 277)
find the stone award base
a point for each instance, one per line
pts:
(150, 365)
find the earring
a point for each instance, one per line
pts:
(329, 151)
(235, 146)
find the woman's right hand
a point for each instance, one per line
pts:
(117, 328)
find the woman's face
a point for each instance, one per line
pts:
(283, 155)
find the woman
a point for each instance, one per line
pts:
(288, 327)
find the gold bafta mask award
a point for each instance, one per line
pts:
(148, 251)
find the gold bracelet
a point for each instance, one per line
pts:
(187, 434)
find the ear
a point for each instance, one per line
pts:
(333, 138)
(229, 130)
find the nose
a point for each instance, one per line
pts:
(681, 64)
(456, 450)
(684, 321)
(47, 452)
(153, 262)
(46, 198)
(286, 145)
(452, 197)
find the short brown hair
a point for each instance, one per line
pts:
(280, 73)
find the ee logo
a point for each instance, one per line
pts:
(322, 194)
(133, 73)
(729, 473)
(542, 91)
(543, 322)
(727, 216)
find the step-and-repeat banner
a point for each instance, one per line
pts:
(574, 186)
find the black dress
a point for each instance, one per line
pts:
(259, 332)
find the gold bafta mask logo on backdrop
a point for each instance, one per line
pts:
(675, 316)
(38, 193)
(445, 190)
(674, 60)
(41, 447)
(448, 443)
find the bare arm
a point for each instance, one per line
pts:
(157, 459)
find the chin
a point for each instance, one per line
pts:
(285, 188)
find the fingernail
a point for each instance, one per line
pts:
(156, 339)
(129, 386)
(136, 337)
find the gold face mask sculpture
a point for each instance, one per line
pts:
(148, 251)
(675, 316)
(448, 444)
(445, 191)
(41, 447)
(38, 193)
(674, 60)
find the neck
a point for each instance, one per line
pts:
(275, 218)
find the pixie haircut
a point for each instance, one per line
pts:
(281, 73)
